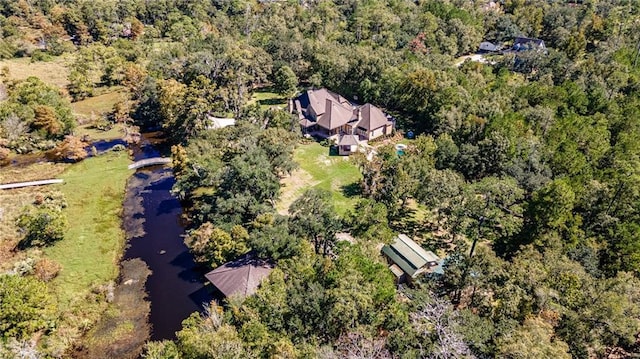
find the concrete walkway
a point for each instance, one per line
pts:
(28, 184)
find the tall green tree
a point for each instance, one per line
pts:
(314, 218)
(285, 82)
(213, 246)
(489, 209)
(534, 339)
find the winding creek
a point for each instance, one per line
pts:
(154, 233)
(151, 219)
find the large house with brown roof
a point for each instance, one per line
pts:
(328, 114)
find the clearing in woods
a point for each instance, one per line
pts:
(317, 169)
(54, 72)
(266, 98)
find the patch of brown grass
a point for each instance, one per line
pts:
(292, 187)
(53, 72)
(32, 172)
(12, 201)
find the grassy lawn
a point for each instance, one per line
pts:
(266, 98)
(89, 253)
(319, 170)
(95, 107)
(98, 105)
(53, 72)
(116, 131)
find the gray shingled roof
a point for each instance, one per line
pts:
(372, 117)
(335, 115)
(318, 98)
(241, 276)
(526, 41)
(304, 122)
(348, 140)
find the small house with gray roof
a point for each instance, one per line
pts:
(240, 277)
(407, 259)
(348, 144)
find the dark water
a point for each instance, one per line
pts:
(105, 145)
(152, 222)
(40, 157)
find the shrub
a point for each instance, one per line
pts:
(53, 200)
(39, 55)
(46, 269)
(7, 49)
(71, 149)
(23, 267)
(25, 306)
(41, 226)
(101, 123)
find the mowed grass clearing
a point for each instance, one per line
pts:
(115, 132)
(89, 253)
(100, 104)
(96, 107)
(317, 169)
(266, 98)
(54, 72)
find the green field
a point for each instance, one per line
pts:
(266, 98)
(116, 131)
(89, 253)
(318, 169)
(100, 104)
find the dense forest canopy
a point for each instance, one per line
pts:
(527, 165)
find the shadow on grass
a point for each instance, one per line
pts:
(351, 190)
(272, 102)
(405, 222)
(265, 89)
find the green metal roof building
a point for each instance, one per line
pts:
(408, 259)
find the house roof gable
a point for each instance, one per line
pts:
(348, 140)
(372, 117)
(335, 115)
(241, 276)
(409, 255)
(527, 40)
(317, 99)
